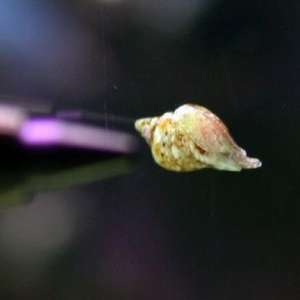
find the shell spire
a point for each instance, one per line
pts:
(193, 138)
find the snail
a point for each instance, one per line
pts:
(193, 138)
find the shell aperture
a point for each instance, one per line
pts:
(193, 138)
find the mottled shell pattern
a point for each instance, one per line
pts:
(192, 138)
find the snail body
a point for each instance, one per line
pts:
(193, 138)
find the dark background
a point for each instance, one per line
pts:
(154, 234)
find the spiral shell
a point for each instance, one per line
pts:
(192, 138)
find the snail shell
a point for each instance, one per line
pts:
(192, 138)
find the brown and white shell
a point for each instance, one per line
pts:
(192, 138)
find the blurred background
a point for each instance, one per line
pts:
(154, 234)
